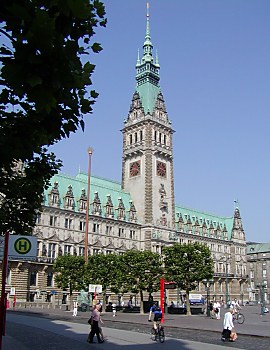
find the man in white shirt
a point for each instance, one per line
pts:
(227, 325)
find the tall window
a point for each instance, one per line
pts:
(38, 219)
(108, 230)
(53, 220)
(96, 228)
(81, 251)
(82, 226)
(50, 279)
(8, 277)
(68, 223)
(51, 250)
(33, 278)
(120, 232)
(67, 249)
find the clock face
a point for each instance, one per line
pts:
(135, 168)
(161, 169)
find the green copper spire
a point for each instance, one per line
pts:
(147, 46)
(147, 75)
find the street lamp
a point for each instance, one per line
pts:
(226, 258)
(90, 152)
(261, 287)
(207, 284)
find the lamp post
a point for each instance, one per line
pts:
(226, 258)
(207, 284)
(261, 287)
(90, 152)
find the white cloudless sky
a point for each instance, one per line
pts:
(215, 77)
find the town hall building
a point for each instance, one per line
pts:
(139, 212)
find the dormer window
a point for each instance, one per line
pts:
(69, 199)
(54, 195)
(83, 201)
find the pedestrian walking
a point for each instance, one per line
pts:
(114, 309)
(217, 307)
(75, 308)
(95, 326)
(228, 327)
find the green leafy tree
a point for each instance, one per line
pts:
(188, 264)
(44, 93)
(70, 273)
(101, 269)
(141, 271)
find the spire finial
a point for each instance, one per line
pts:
(147, 42)
(147, 9)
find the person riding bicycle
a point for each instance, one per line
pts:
(152, 309)
(157, 317)
(235, 305)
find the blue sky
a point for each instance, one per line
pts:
(215, 78)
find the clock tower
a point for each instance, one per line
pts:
(147, 163)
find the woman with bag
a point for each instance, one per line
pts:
(228, 326)
(95, 328)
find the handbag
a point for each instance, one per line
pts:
(90, 321)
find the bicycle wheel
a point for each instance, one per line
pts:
(161, 336)
(153, 334)
(241, 318)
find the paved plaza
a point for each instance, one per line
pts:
(254, 333)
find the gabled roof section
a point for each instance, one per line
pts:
(208, 221)
(258, 248)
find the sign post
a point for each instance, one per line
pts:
(19, 248)
(3, 295)
(162, 298)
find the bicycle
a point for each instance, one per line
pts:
(158, 334)
(239, 318)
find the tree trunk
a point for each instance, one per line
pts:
(70, 297)
(141, 302)
(187, 303)
(104, 301)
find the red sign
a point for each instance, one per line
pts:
(162, 298)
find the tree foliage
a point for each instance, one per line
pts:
(188, 264)
(141, 271)
(44, 91)
(101, 269)
(70, 272)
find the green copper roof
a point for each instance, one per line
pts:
(147, 74)
(258, 248)
(193, 216)
(102, 186)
